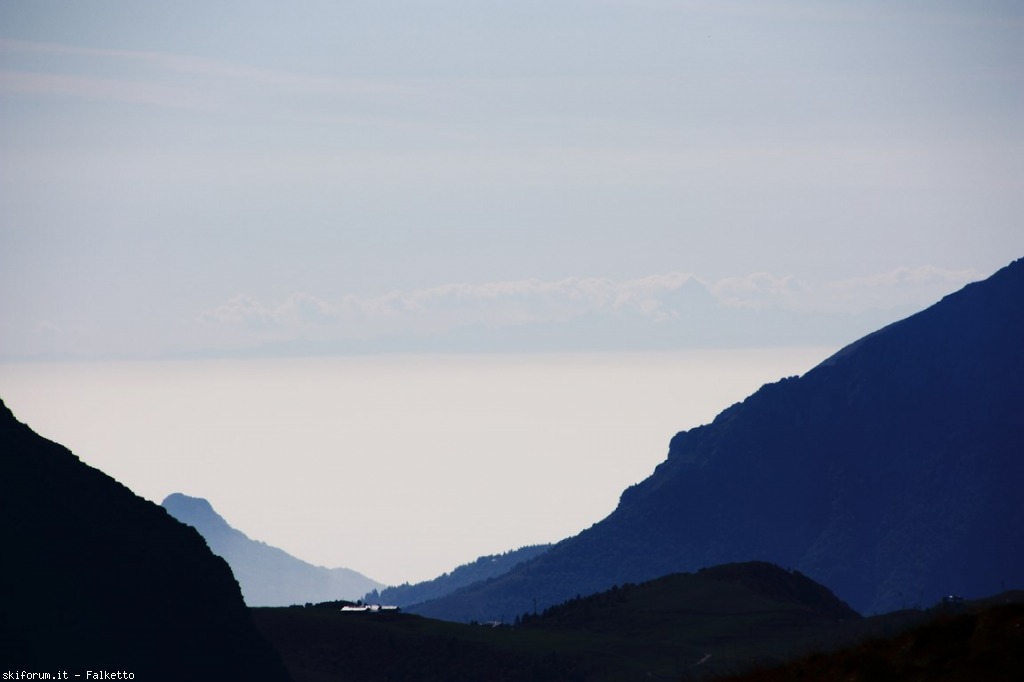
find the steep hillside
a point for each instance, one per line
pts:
(267, 575)
(890, 473)
(96, 578)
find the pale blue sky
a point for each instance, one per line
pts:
(191, 177)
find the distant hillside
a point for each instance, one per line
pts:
(484, 568)
(267, 575)
(97, 578)
(891, 473)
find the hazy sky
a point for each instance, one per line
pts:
(191, 177)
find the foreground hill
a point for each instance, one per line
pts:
(700, 624)
(96, 578)
(890, 472)
(975, 642)
(267, 575)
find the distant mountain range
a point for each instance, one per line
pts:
(97, 578)
(891, 472)
(267, 575)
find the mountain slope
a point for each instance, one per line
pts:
(890, 473)
(97, 578)
(483, 568)
(267, 575)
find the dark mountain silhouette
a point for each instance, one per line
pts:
(891, 472)
(483, 568)
(267, 575)
(97, 578)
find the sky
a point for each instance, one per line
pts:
(200, 178)
(236, 181)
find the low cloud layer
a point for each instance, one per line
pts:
(490, 303)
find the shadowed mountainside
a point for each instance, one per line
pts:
(96, 577)
(267, 575)
(890, 472)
